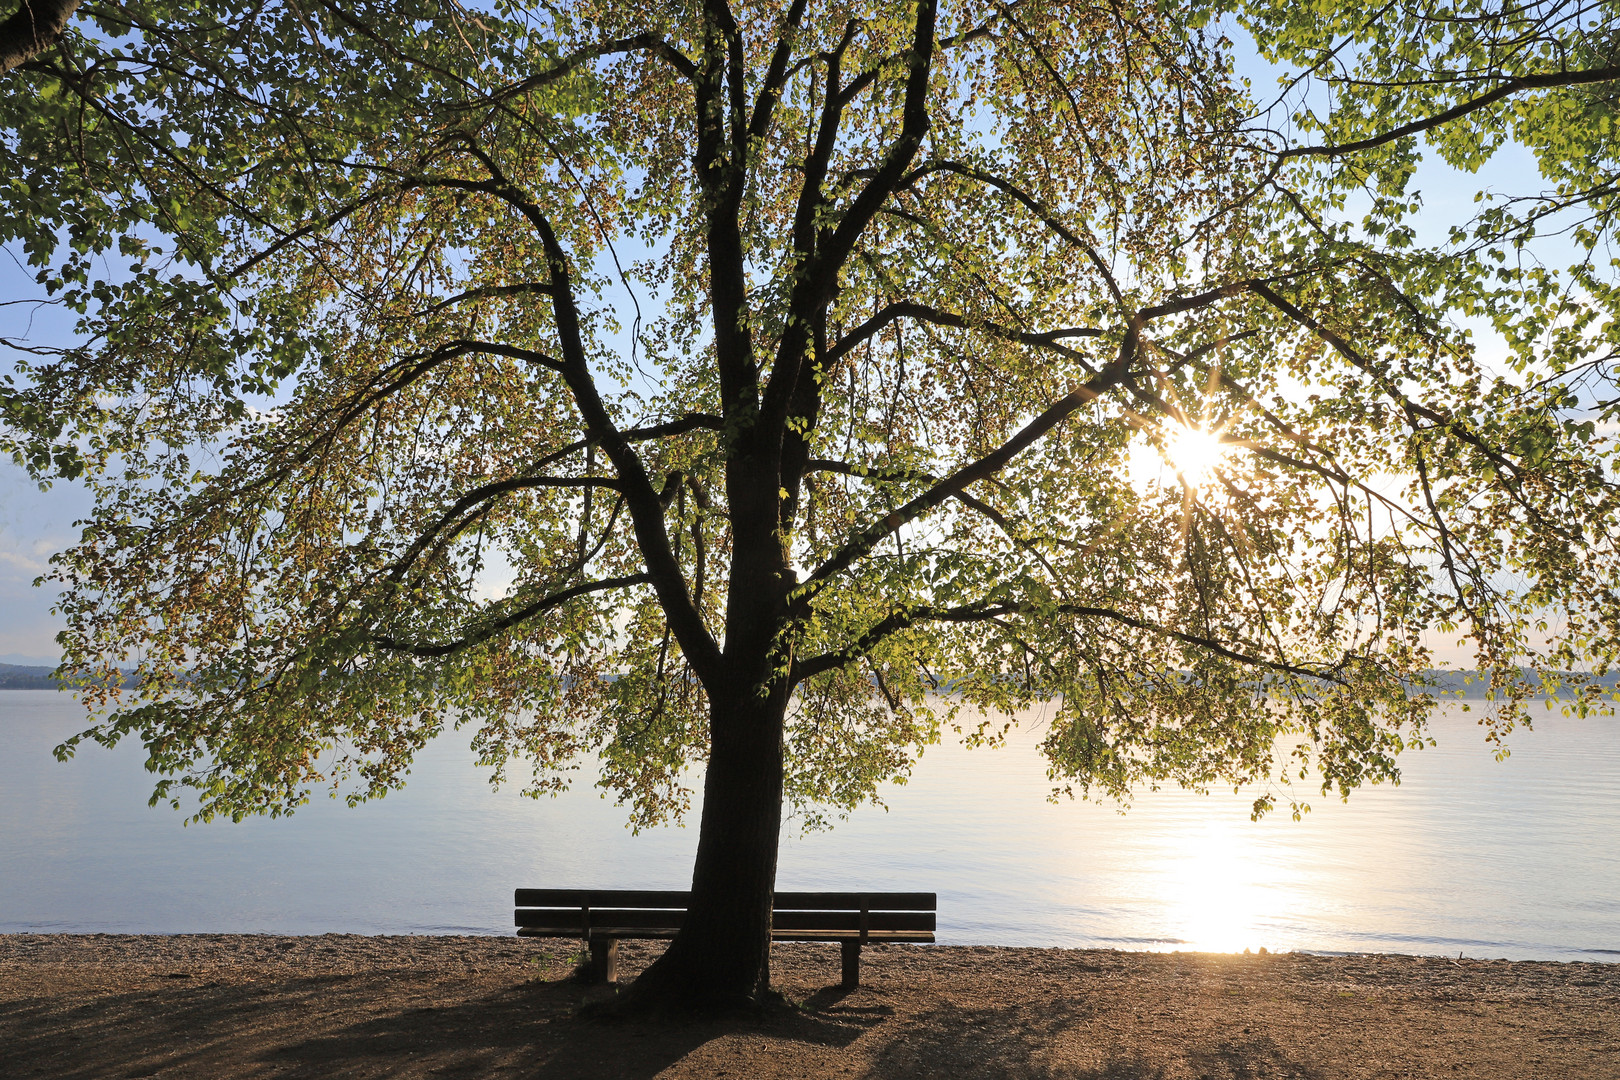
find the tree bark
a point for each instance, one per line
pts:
(32, 29)
(720, 960)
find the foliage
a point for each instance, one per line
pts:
(558, 369)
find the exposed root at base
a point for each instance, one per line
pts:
(664, 1002)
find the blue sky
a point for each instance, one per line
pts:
(33, 524)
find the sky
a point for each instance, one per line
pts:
(34, 525)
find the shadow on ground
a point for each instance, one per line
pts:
(1053, 1039)
(360, 1025)
(404, 1009)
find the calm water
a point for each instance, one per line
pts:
(1517, 859)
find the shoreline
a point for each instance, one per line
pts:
(1600, 957)
(260, 1005)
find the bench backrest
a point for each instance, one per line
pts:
(648, 909)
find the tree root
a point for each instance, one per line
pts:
(669, 1000)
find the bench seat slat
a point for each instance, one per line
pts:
(854, 901)
(912, 936)
(660, 898)
(573, 919)
(614, 898)
(851, 920)
(648, 932)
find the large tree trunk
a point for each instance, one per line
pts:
(32, 29)
(721, 958)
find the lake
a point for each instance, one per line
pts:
(1517, 859)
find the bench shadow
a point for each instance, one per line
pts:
(828, 997)
(536, 1029)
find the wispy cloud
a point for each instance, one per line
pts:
(23, 563)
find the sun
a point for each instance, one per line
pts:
(1179, 456)
(1194, 453)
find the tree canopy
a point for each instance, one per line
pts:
(761, 384)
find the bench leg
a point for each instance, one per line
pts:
(852, 964)
(604, 960)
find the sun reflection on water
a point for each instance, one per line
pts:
(1217, 887)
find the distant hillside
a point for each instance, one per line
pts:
(30, 677)
(19, 677)
(1473, 684)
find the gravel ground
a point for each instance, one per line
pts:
(209, 1006)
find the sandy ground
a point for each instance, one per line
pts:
(98, 1006)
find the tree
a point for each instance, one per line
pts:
(759, 386)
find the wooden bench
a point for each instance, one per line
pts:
(603, 917)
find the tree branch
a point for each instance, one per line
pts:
(906, 309)
(645, 42)
(418, 366)
(896, 160)
(793, 385)
(984, 611)
(917, 476)
(770, 90)
(506, 622)
(1541, 81)
(689, 422)
(1413, 409)
(1034, 206)
(646, 511)
(512, 352)
(485, 493)
(526, 288)
(720, 164)
(866, 472)
(869, 537)
(1115, 373)
(320, 225)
